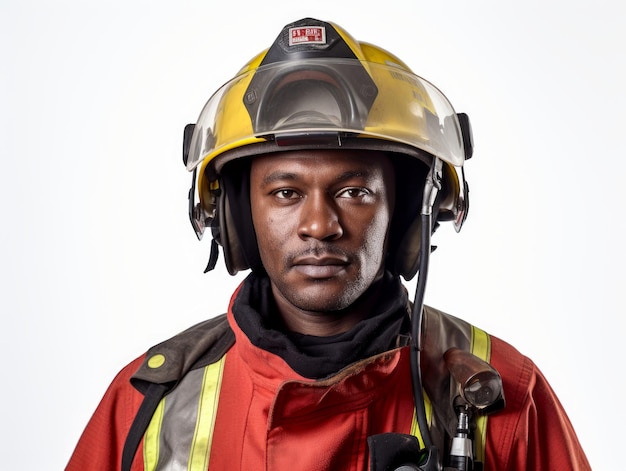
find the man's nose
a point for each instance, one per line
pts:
(319, 218)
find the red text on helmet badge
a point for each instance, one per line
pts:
(307, 35)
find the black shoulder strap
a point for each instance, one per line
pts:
(153, 396)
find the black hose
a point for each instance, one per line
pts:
(416, 330)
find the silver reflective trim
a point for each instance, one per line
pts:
(185, 430)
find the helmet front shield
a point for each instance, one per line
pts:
(303, 99)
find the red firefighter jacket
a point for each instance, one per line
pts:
(264, 416)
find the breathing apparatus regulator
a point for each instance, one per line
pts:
(316, 87)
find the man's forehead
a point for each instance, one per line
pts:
(350, 160)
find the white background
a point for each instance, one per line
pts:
(98, 260)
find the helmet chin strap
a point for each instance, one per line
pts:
(431, 188)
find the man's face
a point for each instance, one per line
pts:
(321, 220)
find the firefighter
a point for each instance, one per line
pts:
(323, 167)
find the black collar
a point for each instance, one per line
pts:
(386, 327)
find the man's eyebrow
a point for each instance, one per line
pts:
(278, 176)
(363, 173)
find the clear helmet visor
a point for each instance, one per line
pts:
(312, 97)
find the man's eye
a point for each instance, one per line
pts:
(285, 194)
(352, 193)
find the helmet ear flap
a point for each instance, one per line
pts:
(405, 235)
(236, 231)
(411, 176)
(226, 235)
(407, 253)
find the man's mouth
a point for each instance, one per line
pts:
(320, 267)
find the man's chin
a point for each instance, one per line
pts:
(324, 298)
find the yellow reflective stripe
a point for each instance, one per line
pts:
(481, 347)
(205, 422)
(151, 439)
(415, 428)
